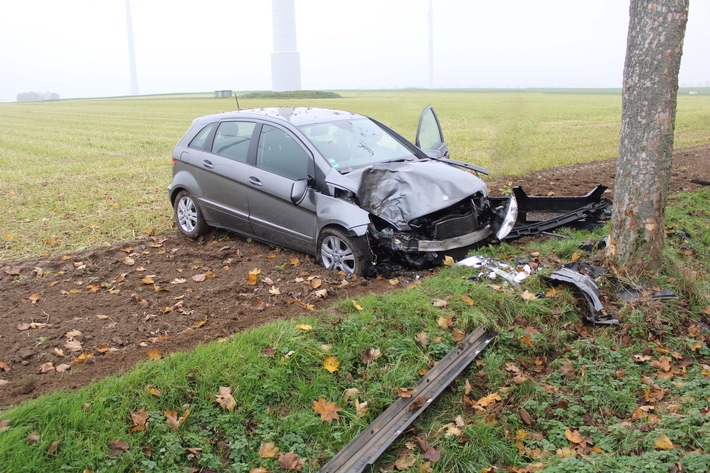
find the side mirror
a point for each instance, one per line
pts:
(299, 189)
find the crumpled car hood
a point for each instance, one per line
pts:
(401, 191)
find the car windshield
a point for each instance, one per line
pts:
(348, 144)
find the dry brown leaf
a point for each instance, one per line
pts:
(200, 278)
(328, 411)
(62, 368)
(574, 436)
(405, 461)
(356, 305)
(172, 419)
(294, 262)
(225, 398)
(360, 408)
(405, 392)
(33, 438)
(34, 298)
(458, 335)
(268, 450)
(4, 424)
(445, 323)
(73, 334)
(140, 420)
(275, 291)
(422, 338)
(439, 303)
(290, 461)
(46, 367)
(663, 443)
(350, 393)
(4, 366)
(488, 400)
(152, 391)
(466, 299)
(370, 355)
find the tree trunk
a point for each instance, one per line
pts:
(653, 51)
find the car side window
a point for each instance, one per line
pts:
(198, 142)
(279, 153)
(232, 140)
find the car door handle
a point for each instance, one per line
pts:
(255, 182)
(208, 164)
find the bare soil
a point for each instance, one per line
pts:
(69, 320)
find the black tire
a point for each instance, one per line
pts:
(188, 216)
(341, 252)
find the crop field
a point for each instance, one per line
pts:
(79, 174)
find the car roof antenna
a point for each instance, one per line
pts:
(236, 97)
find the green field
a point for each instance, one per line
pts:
(78, 174)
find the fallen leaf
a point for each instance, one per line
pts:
(405, 392)
(370, 355)
(328, 410)
(566, 452)
(102, 317)
(405, 461)
(356, 305)
(268, 450)
(304, 327)
(526, 340)
(466, 299)
(73, 334)
(140, 420)
(33, 438)
(525, 416)
(62, 368)
(4, 424)
(46, 367)
(274, 290)
(489, 399)
(129, 261)
(153, 354)
(331, 364)
(458, 335)
(83, 358)
(116, 447)
(290, 461)
(172, 419)
(350, 393)
(360, 408)
(152, 391)
(422, 338)
(34, 298)
(200, 278)
(225, 398)
(53, 447)
(449, 261)
(663, 443)
(4, 366)
(294, 262)
(445, 323)
(528, 296)
(574, 436)
(439, 303)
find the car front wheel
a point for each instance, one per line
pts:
(188, 216)
(341, 252)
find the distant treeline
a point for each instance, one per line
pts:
(294, 94)
(37, 96)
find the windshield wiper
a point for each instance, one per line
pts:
(461, 164)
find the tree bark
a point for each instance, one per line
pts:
(653, 52)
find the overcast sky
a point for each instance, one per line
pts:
(78, 48)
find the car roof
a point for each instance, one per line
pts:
(297, 116)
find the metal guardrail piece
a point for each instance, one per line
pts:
(367, 447)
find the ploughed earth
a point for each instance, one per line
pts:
(66, 321)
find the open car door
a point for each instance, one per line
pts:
(430, 139)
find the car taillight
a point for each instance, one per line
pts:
(174, 161)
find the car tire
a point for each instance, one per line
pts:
(188, 217)
(341, 252)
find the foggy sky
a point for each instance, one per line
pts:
(78, 48)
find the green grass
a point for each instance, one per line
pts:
(555, 378)
(78, 174)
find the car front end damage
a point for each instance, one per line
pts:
(422, 210)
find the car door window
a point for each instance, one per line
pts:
(279, 153)
(198, 142)
(232, 140)
(429, 133)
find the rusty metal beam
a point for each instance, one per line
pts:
(367, 447)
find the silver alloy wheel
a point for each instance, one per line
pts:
(187, 214)
(337, 255)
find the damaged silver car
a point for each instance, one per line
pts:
(333, 184)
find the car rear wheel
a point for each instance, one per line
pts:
(341, 252)
(188, 216)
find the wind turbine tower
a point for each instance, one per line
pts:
(131, 50)
(285, 60)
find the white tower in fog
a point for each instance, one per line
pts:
(285, 60)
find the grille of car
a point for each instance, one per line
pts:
(455, 225)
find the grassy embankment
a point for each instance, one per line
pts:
(81, 173)
(549, 393)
